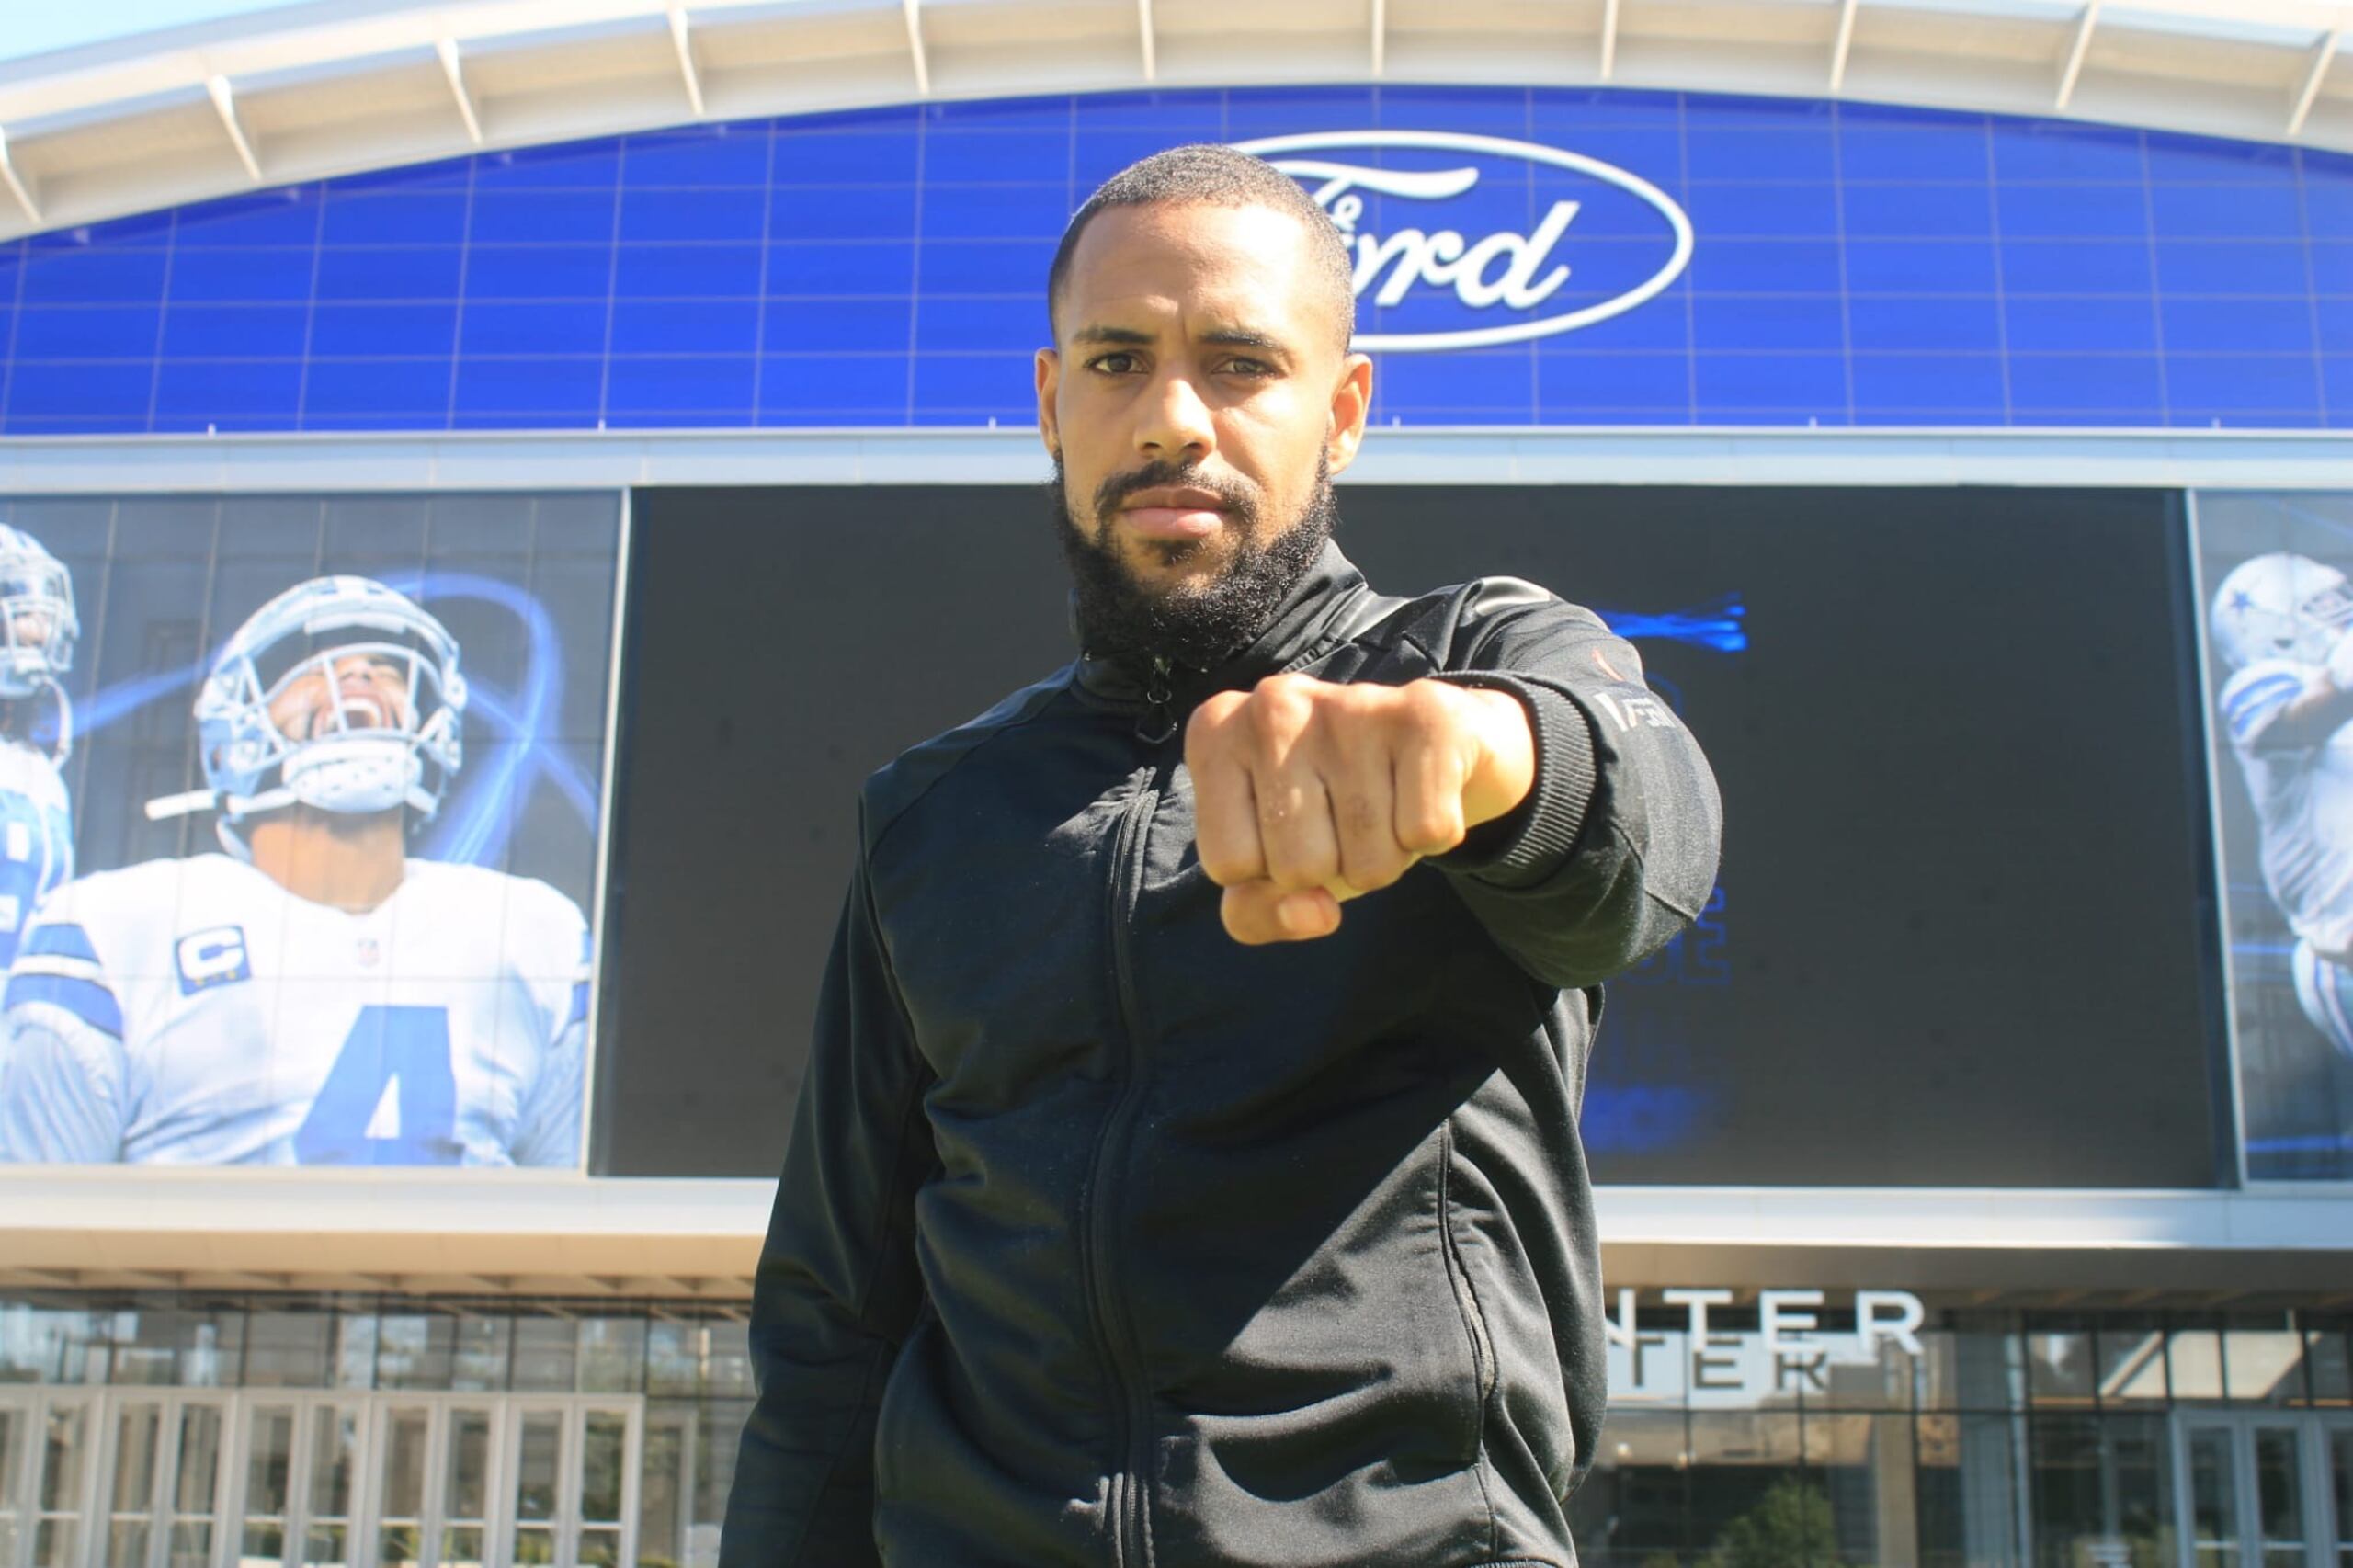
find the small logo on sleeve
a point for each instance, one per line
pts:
(213, 957)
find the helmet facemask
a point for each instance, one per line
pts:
(37, 625)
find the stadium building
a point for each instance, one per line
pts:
(1950, 397)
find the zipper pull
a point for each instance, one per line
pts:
(1159, 721)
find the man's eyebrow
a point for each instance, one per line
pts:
(1244, 338)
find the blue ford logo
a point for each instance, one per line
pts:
(1463, 241)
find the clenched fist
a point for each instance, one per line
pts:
(1307, 794)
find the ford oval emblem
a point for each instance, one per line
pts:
(1425, 272)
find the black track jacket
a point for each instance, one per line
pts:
(1105, 1240)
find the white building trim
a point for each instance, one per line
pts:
(338, 86)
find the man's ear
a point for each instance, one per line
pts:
(1351, 405)
(1050, 375)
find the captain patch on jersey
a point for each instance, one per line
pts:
(313, 995)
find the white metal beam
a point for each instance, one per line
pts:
(2082, 46)
(914, 47)
(1144, 31)
(447, 48)
(685, 46)
(226, 103)
(16, 182)
(2310, 92)
(1844, 42)
(1380, 38)
(1609, 38)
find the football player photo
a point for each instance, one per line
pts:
(37, 630)
(2280, 627)
(313, 992)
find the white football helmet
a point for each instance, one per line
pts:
(38, 627)
(2281, 606)
(350, 755)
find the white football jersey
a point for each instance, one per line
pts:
(194, 1012)
(36, 839)
(2303, 800)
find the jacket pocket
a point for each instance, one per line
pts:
(1466, 1300)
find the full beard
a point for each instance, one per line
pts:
(1123, 619)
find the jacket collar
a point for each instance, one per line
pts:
(1312, 616)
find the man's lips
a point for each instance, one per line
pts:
(1173, 513)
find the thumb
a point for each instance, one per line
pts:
(1260, 912)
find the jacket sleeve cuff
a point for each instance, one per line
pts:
(1530, 842)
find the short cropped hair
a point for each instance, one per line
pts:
(1205, 174)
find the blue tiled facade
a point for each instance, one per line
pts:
(1850, 265)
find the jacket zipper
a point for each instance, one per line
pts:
(1127, 1498)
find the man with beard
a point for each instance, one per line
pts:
(1186, 1171)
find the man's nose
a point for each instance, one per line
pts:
(1176, 424)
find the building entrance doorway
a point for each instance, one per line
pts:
(167, 1478)
(2264, 1488)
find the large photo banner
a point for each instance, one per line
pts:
(302, 815)
(2276, 581)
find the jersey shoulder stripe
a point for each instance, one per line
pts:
(63, 940)
(91, 1001)
(2256, 696)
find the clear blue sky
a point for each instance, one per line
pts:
(37, 27)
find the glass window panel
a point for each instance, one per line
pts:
(1974, 1362)
(2340, 1487)
(326, 1545)
(53, 1543)
(2137, 1460)
(2280, 1495)
(461, 1546)
(612, 1355)
(727, 1365)
(465, 1488)
(674, 1357)
(403, 1463)
(603, 1451)
(546, 1350)
(269, 1463)
(2263, 1362)
(2326, 1364)
(136, 1429)
(1864, 1466)
(721, 1430)
(2213, 1500)
(288, 1349)
(2195, 1357)
(537, 1465)
(416, 1350)
(191, 1545)
(1631, 1505)
(127, 1543)
(1737, 1459)
(479, 1364)
(197, 1485)
(2059, 1360)
(534, 1546)
(12, 1446)
(665, 1480)
(2066, 1485)
(399, 1546)
(355, 1350)
(59, 1490)
(334, 1457)
(1966, 1491)
(600, 1548)
(47, 1344)
(2132, 1359)
(147, 1348)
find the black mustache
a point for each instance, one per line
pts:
(1163, 475)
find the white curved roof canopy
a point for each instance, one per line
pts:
(337, 86)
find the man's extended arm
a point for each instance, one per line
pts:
(1575, 813)
(837, 1288)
